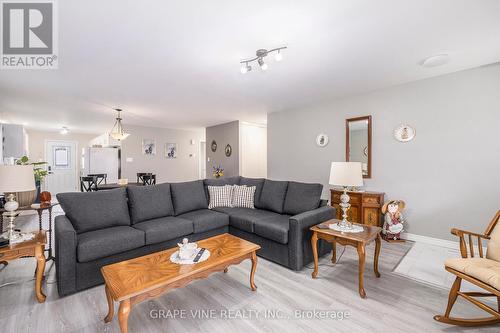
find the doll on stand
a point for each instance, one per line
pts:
(393, 220)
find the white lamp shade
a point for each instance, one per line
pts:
(16, 178)
(346, 174)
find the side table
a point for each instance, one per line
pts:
(358, 240)
(32, 248)
(39, 209)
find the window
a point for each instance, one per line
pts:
(61, 157)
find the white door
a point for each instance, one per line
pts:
(203, 160)
(61, 159)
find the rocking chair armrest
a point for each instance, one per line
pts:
(460, 233)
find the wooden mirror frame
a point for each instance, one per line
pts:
(347, 121)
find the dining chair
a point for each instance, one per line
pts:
(101, 177)
(482, 271)
(88, 183)
(148, 179)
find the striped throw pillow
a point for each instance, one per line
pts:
(220, 196)
(243, 196)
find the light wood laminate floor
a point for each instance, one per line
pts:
(394, 303)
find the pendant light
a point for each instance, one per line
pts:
(117, 131)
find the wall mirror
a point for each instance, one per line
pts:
(358, 146)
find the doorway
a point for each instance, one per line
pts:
(61, 165)
(203, 160)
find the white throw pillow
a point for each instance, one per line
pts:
(220, 196)
(243, 196)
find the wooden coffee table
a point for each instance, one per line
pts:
(32, 248)
(136, 280)
(358, 240)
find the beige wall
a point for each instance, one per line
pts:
(182, 168)
(253, 150)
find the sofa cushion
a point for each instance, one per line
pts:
(188, 196)
(149, 202)
(258, 183)
(164, 228)
(244, 218)
(105, 242)
(274, 228)
(485, 270)
(95, 210)
(205, 219)
(301, 197)
(273, 195)
(243, 196)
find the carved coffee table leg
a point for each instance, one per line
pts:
(252, 273)
(334, 252)
(40, 269)
(377, 253)
(226, 269)
(5, 263)
(361, 254)
(314, 245)
(123, 313)
(111, 306)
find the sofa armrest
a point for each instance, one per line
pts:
(299, 232)
(65, 242)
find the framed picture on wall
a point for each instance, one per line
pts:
(148, 147)
(171, 150)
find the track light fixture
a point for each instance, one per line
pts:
(260, 54)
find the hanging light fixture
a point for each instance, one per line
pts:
(117, 132)
(260, 54)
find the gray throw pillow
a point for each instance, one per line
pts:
(188, 196)
(95, 210)
(273, 195)
(301, 197)
(149, 202)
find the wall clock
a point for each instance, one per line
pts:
(213, 146)
(228, 150)
(404, 133)
(322, 140)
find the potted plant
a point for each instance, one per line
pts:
(39, 172)
(218, 172)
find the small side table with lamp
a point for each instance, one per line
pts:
(13, 179)
(344, 232)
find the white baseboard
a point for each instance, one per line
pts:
(438, 242)
(431, 240)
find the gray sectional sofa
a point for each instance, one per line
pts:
(105, 227)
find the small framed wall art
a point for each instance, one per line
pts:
(171, 150)
(404, 133)
(322, 140)
(149, 147)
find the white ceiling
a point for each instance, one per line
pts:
(176, 63)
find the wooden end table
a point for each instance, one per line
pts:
(358, 240)
(136, 280)
(32, 248)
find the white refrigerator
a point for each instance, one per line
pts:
(102, 160)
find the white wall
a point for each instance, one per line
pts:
(182, 168)
(449, 175)
(253, 150)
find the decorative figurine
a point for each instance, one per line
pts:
(45, 198)
(393, 221)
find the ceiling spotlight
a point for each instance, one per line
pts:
(64, 130)
(278, 57)
(245, 68)
(262, 64)
(260, 54)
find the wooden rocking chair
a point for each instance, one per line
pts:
(482, 272)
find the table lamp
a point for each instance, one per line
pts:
(14, 178)
(346, 174)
